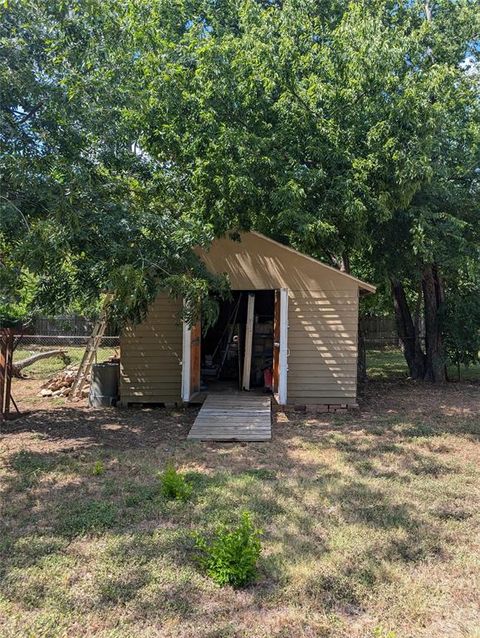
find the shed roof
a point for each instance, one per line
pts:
(260, 262)
(361, 284)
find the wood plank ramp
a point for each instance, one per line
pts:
(233, 417)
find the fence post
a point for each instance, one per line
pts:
(6, 356)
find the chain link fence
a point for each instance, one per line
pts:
(69, 334)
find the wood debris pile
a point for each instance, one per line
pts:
(61, 384)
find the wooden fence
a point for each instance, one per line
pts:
(72, 325)
(379, 332)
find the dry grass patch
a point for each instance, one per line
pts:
(370, 522)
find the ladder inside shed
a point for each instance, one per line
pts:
(89, 357)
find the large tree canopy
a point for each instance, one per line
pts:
(84, 208)
(133, 131)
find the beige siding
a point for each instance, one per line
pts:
(151, 356)
(322, 314)
(256, 263)
(323, 324)
(322, 342)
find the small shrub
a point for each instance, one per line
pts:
(98, 468)
(173, 485)
(231, 557)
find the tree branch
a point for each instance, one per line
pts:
(32, 112)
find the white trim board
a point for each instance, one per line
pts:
(186, 361)
(283, 350)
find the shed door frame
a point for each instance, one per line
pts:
(191, 360)
(281, 394)
(186, 361)
(247, 362)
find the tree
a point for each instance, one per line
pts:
(347, 130)
(83, 208)
(384, 92)
(461, 318)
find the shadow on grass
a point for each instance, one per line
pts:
(148, 562)
(390, 460)
(109, 428)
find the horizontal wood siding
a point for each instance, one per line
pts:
(322, 336)
(151, 356)
(255, 263)
(322, 314)
(322, 343)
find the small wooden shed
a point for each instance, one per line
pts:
(290, 317)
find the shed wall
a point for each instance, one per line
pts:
(322, 343)
(151, 355)
(322, 314)
(322, 335)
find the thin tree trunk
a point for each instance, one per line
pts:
(433, 298)
(362, 356)
(418, 316)
(345, 263)
(362, 376)
(407, 332)
(440, 290)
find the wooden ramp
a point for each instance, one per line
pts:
(233, 417)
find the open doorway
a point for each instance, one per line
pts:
(238, 351)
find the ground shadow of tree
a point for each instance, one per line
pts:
(54, 498)
(106, 427)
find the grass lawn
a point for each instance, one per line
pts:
(389, 364)
(370, 522)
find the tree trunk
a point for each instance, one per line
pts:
(407, 332)
(345, 263)
(18, 367)
(361, 357)
(433, 299)
(362, 376)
